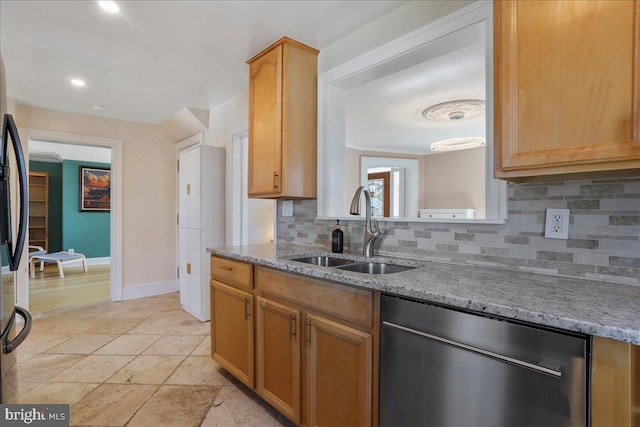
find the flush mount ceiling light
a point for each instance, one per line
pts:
(98, 107)
(78, 82)
(458, 143)
(455, 110)
(109, 6)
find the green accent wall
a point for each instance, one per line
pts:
(85, 232)
(55, 201)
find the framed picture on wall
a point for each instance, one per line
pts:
(95, 189)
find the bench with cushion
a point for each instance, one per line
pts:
(60, 258)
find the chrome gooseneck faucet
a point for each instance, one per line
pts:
(371, 230)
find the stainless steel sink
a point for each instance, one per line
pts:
(324, 261)
(375, 268)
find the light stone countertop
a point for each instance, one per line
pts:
(603, 309)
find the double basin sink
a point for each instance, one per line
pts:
(357, 266)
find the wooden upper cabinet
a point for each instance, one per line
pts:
(567, 88)
(282, 121)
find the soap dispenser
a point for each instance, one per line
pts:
(337, 239)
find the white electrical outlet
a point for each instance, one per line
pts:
(287, 208)
(557, 224)
(71, 250)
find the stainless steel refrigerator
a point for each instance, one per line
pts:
(11, 247)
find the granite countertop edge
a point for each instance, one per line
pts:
(608, 310)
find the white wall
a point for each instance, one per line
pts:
(397, 23)
(226, 117)
(149, 196)
(455, 180)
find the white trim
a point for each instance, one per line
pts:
(233, 194)
(149, 289)
(105, 260)
(410, 199)
(115, 145)
(389, 57)
(191, 142)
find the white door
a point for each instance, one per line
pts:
(189, 188)
(183, 256)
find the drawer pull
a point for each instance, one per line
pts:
(276, 185)
(225, 268)
(292, 326)
(246, 308)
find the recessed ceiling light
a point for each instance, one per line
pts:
(98, 107)
(78, 82)
(109, 6)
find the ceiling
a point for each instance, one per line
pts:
(154, 58)
(386, 114)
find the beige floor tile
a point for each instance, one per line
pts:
(43, 367)
(40, 342)
(128, 344)
(174, 322)
(184, 406)
(82, 344)
(175, 345)
(110, 404)
(23, 356)
(62, 325)
(93, 369)
(199, 370)
(204, 349)
(68, 393)
(147, 370)
(114, 326)
(236, 405)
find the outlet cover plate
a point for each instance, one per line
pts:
(556, 225)
(287, 208)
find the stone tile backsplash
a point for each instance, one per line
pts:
(604, 232)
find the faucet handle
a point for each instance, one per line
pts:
(374, 227)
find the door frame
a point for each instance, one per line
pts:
(115, 217)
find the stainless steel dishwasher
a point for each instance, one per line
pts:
(444, 367)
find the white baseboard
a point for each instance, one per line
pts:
(149, 289)
(105, 260)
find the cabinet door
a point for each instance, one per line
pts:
(566, 87)
(189, 191)
(278, 356)
(232, 330)
(265, 123)
(339, 373)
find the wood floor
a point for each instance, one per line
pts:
(49, 292)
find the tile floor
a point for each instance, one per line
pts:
(142, 362)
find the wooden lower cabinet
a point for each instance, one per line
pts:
(615, 384)
(278, 356)
(232, 331)
(339, 373)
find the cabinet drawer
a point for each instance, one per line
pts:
(343, 302)
(231, 272)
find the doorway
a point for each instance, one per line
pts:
(69, 220)
(112, 262)
(249, 221)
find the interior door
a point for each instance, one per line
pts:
(189, 188)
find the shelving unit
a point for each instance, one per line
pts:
(39, 209)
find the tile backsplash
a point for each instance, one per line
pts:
(603, 243)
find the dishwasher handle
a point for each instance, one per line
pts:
(501, 357)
